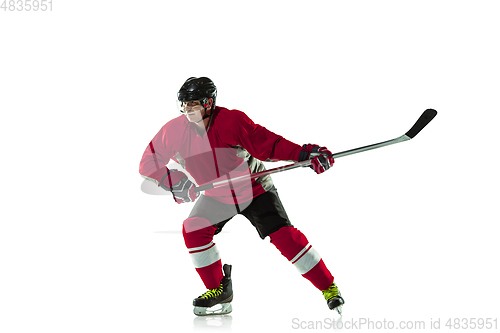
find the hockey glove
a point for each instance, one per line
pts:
(319, 162)
(181, 187)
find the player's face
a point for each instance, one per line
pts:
(193, 110)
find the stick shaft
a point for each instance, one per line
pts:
(252, 176)
(370, 147)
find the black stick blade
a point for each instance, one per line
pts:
(424, 119)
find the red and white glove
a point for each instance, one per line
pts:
(181, 187)
(320, 163)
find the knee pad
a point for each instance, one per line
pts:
(197, 231)
(289, 241)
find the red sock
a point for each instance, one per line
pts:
(198, 235)
(294, 246)
(211, 275)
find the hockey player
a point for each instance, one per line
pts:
(211, 142)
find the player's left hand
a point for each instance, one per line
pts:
(183, 190)
(319, 162)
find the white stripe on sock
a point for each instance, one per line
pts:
(300, 253)
(205, 258)
(307, 261)
(200, 247)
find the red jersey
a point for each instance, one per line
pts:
(232, 146)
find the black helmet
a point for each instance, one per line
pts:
(197, 88)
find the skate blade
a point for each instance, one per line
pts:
(218, 309)
(339, 309)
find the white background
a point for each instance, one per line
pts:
(409, 231)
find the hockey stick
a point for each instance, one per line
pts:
(422, 121)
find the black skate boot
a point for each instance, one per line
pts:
(216, 301)
(333, 298)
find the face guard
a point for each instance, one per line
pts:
(188, 107)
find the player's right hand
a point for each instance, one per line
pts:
(319, 161)
(181, 187)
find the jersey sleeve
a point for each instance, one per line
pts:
(260, 142)
(157, 154)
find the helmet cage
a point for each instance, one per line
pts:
(182, 107)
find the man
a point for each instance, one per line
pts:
(212, 142)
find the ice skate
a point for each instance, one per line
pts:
(216, 301)
(333, 298)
